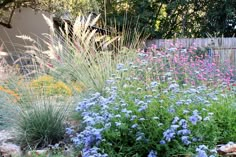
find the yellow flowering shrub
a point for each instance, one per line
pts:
(51, 86)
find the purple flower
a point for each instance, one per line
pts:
(152, 154)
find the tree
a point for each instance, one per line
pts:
(220, 18)
(74, 7)
(160, 18)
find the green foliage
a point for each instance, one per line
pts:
(224, 115)
(220, 18)
(180, 18)
(161, 19)
(41, 125)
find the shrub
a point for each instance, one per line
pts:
(41, 125)
(50, 86)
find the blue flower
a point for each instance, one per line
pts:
(134, 126)
(179, 102)
(142, 108)
(185, 111)
(193, 119)
(173, 86)
(154, 84)
(92, 152)
(206, 118)
(117, 116)
(141, 119)
(89, 137)
(176, 119)
(174, 127)
(119, 66)
(171, 110)
(155, 118)
(117, 124)
(139, 136)
(185, 140)
(202, 153)
(169, 134)
(162, 142)
(152, 154)
(184, 132)
(69, 131)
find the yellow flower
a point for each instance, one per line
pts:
(51, 86)
(62, 88)
(10, 92)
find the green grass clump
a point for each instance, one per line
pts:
(41, 125)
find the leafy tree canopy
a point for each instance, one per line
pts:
(59, 7)
(159, 18)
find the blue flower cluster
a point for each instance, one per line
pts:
(179, 128)
(139, 105)
(91, 136)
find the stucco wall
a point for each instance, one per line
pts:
(25, 22)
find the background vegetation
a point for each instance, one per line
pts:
(160, 18)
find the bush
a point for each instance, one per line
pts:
(144, 114)
(41, 125)
(50, 86)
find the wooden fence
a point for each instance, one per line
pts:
(223, 48)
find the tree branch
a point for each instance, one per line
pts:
(7, 25)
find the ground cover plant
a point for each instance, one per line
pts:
(161, 104)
